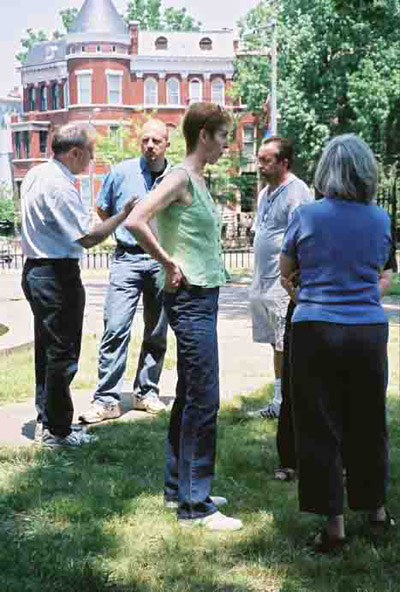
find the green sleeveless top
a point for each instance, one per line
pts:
(191, 237)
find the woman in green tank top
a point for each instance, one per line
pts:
(188, 247)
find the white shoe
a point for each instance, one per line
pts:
(99, 411)
(217, 500)
(150, 403)
(271, 411)
(215, 522)
(74, 439)
(38, 433)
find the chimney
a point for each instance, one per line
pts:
(134, 34)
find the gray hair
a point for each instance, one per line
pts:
(347, 169)
(72, 135)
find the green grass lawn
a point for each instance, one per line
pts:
(93, 520)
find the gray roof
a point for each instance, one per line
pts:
(46, 53)
(98, 16)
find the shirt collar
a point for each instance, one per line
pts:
(144, 167)
(64, 169)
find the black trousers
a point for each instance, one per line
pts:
(285, 441)
(55, 293)
(338, 385)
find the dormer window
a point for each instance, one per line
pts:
(206, 43)
(114, 48)
(98, 49)
(161, 43)
(83, 48)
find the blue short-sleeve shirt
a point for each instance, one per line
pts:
(127, 179)
(341, 248)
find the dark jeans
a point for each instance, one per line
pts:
(338, 385)
(132, 275)
(285, 440)
(55, 293)
(191, 443)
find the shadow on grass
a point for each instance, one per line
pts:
(93, 520)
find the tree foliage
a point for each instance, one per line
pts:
(30, 39)
(68, 15)
(338, 72)
(151, 15)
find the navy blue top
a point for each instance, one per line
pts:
(126, 179)
(341, 248)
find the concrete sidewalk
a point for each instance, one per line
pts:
(244, 365)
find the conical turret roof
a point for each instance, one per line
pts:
(98, 16)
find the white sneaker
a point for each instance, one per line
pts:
(217, 500)
(271, 411)
(75, 438)
(99, 411)
(150, 403)
(215, 522)
(38, 433)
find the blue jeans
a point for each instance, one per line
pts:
(191, 443)
(130, 276)
(55, 293)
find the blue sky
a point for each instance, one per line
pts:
(18, 15)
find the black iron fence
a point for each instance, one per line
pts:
(389, 198)
(11, 257)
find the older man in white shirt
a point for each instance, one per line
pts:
(54, 231)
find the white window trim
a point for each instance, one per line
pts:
(84, 73)
(114, 73)
(191, 99)
(154, 104)
(218, 79)
(174, 78)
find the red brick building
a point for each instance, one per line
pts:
(109, 73)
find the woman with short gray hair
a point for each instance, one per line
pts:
(339, 246)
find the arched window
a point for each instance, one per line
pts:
(218, 91)
(195, 90)
(161, 43)
(55, 96)
(173, 94)
(150, 91)
(205, 43)
(43, 98)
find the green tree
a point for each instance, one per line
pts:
(68, 15)
(151, 16)
(177, 19)
(30, 39)
(338, 71)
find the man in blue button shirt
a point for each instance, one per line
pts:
(133, 273)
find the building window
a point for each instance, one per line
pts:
(206, 43)
(248, 149)
(161, 43)
(31, 99)
(98, 49)
(84, 79)
(150, 91)
(114, 48)
(218, 91)
(43, 141)
(17, 137)
(173, 94)
(66, 94)
(83, 49)
(114, 87)
(43, 98)
(55, 96)
(25, 137)
(195, 91)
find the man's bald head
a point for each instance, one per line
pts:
(155, 125)
(154, 143)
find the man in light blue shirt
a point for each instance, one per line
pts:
(133, 273)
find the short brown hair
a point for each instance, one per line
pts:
(208, 116)
(285, 148)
